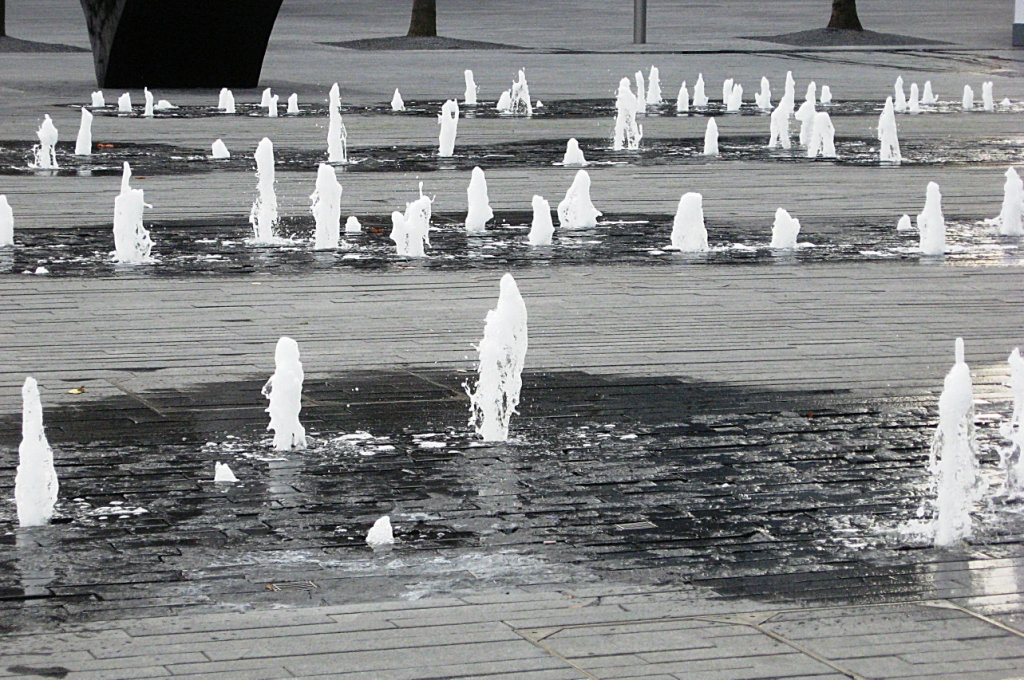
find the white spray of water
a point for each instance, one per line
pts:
(337, 135)
(779, 126)
(352, 225)
(284, 390)
(785, 229)
(573, 154)
(504, 104)
(628, 132)
(326, 208)
(763, 99)
(97, 100)
(899, 96)
(272, 107)
(35, 483)
(164, 105)
(45, 152)
(927, 96)
(1009, 218)
(147, 111)
(931, 226)
(83, 144)
(222, 474)
(542, 229)
(132, 244)
(727, 85)
(904, 224)
(711, 138)
(266, 98)
(448, 119)
(263, 215)
(397, 104)
(411, 231)
(735, 101)
(520, 103)
(987, 101)
(654, 88)
(641, 94)
(226, 101)
(6, 223)
(790, 90)
(293, 104)
(479, 211)
(914, 105)
(124, 103)
(805, 114)
(689, 234)
(381, 535)
(220, 150)
(683, 99)
(699, 98)
(1012, 458)
(502, 353)
(576, 211)
(968, 100)
(822, 141)
(826, 95)
(469, 96)
(890, 148)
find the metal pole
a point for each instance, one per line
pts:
(639, 22)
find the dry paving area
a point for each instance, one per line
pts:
(714, 455)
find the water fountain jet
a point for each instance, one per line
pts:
(284, 390)
(132, 244)
(448, 119)
(35, 483)
(263, 215)
(83, 143)
(542, 228)
(576, 211)
(689, 235)
(930, 223)
(45, 153)
(326, 208)
(479, 211)
(337, 135)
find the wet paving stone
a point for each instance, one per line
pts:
(753, 493)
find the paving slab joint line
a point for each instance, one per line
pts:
(757, 621)
(461, 395)
(139, 398)
(549, 651)
(946, 604)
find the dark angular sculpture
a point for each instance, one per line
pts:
(179, 43)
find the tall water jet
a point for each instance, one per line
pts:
(97, 100)
(931, 226)
(779, 126)
(628, 132)
(735, 101)
(953, 457)
(727, 86)
(805, 114)
(927, 96)
(914, 104)
(266, 98)
(520, 104)
(641, 94)
(45, 152)
(654, 88)
(147, 111)
(132, 244)
(541, 229)
(812, 93)
(263, 215)
(1009, 218)
(469, 96)
(397, 104)
(785, 229)
(700, 99)
(899, 100)
(411, 231)
(448, 119)
(272, 106)
(502, 353)
(1012, 459)
(826, 95)
(987, 102)
(35, 483)
(337, 135)
(576, 211)
(83, 144)
(889, 152)
(789, 92)
(284, 390)
(711, 138)
(683, 99)
(968, 100)
(219, 150)
(479, 210)
(822, 141)
(689, 234)
(326, 208)
(124, 103)
(293, 104)
(763, 99)
(573, 154)
(226, 101)
(6, 223)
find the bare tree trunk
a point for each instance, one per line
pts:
(844, 16)
(424, 18)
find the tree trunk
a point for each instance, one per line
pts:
(424, 18)
(3, 17)
(844, 16)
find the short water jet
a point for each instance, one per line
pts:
(479, 210)
(448, 119)
(576, 211)
(711, 138)
(45, 153)
(689, 235)
(889, 151)
(542, 228)
(326, 208)
(284, 390)
(930, 223)
(469, 96)
(83, 143)
(785, 230)
(573, 154)
(35, 483)
(226, 101)
(132, 244)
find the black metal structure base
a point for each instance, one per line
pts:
(179, 43)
